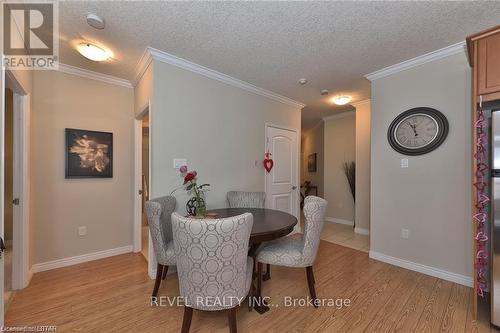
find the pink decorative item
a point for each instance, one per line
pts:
(482, 200)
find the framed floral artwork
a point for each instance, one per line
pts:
(89, 154)
(311, 163)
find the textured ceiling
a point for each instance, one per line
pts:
(273, 44)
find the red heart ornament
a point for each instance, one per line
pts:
(268, 164)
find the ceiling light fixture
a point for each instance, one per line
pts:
(302, 81)
(324, 92)
(341, 99)
(93, 52)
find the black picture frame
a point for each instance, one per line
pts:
(311, 162)
(443, 128)
(79, 155)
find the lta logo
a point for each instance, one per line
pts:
(30, 35)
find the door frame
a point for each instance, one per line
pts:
(137, 220)
(297, 173)
(21, 274)
(138, 173)
(2, 186)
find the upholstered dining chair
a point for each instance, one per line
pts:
(214, 269)
(297, 252)
(244, 199)
(159, 212)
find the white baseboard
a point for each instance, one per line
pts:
(30, 275)
(424, 269)
(362, 231)
(339, 221)
(44, 266)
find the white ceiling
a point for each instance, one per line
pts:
(273, 44)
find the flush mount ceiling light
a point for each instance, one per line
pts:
(302, 81)
(93, 52)
(341, 99)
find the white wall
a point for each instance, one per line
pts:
(363, 135)
(313, 142)
(432, 197)
(220, 129)
(340, 147)
(59, 205)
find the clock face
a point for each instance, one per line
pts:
(418, 131)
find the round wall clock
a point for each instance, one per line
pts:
(418, 131)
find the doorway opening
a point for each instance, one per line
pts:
(334, 167)
(145, 186)
(8, 192)
(142, 170)
(15, 187)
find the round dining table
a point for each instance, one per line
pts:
(268, 224)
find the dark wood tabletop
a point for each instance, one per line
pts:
(268, 224)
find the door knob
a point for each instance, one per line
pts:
(294, 187)
(140, 192)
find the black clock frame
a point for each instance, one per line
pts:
(443, 128)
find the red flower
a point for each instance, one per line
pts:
(189, 176)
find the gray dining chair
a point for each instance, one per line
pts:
(159, 212)
(214, 269)
(297, 252)
(244, 199)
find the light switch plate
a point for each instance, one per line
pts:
(82, 231)
(178, 162)
(404, 162)
(405, 233)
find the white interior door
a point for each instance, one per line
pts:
(2, 184)
(140, 190)
(20, 248)
(282, 182)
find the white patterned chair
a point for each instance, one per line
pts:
(214, 269)
(297, 252)
(159, 211)
(244, 199)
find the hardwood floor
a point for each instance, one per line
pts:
(344, 235)
(112, 295)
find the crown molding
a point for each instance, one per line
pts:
(142, 65)
(420, 60)
(154, 54)
(94, 75)
(361, 103)
(340, 115)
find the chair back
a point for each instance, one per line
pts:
(211, 259)
(314, 212)
(242, 199)
(159, 211)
